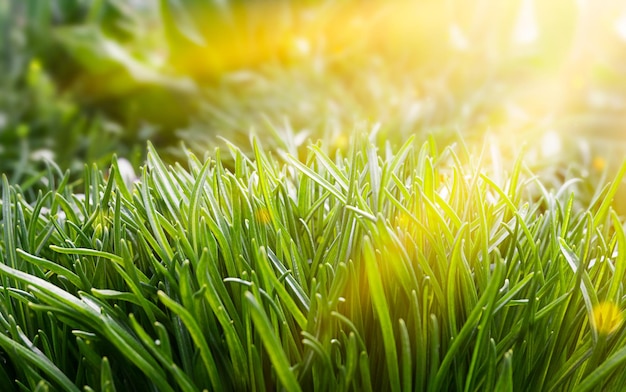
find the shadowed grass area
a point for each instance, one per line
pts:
(405, 268)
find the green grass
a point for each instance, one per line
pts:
(405, 268)
(341, 265)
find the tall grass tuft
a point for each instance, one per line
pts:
(379, 269)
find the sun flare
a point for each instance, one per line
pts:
(607, 318)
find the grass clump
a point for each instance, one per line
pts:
(382, 269)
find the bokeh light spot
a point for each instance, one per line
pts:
(607, 318)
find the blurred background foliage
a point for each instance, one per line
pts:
(84, 79)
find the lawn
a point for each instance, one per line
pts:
(311, 196)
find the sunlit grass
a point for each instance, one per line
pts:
(379, 269)
(314, 258)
